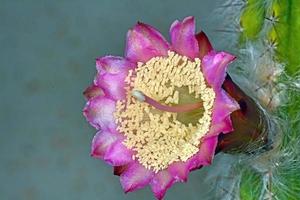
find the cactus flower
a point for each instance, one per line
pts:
(159, 109)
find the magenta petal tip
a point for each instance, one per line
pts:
(160, 183)
(214, 66)
(135, 177)
(99, 113)
(183, 37)
(144, 42)
(113, 65)
(93, 91)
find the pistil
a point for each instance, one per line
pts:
(140, 96)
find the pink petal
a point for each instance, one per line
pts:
(112, 84)
(93, 91)
(224, 126)
(99, 113)
(183, 37)
(112, 71)
(228, 125)
(113, 65)
(144, 42)
(161, 182)
(214, 66)
(205, 154)
(204, 44)
(135, 177)
(108, 146)
(118, 154)
(102, 141)
(224, 105)
(179, 171)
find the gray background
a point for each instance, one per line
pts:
(47, 56)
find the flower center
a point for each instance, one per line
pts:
(167, 110)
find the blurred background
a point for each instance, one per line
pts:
(47, 59)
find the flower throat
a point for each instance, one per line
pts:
(167, 110)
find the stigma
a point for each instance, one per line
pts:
(167, 110)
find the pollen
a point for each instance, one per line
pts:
(157, 137)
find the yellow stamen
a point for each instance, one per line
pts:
(161, 138)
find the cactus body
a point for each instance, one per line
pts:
(267, 41)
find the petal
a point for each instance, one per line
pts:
(112, 84)
(204, 44)
(99, 113)
(224, 126)
(113, 65)
(118, 170)
(214, 66)
(93, 91)
(224, 105)
(144, 42)
(102, 141)
(161, 182)
(179, 171)
(118, 154)
(183, 37)
(112, 71)
(205, 154)
(228, 125)
(135, 177)
(108, 146)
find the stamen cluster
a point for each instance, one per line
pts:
(161, 138)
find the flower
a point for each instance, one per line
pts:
(159, 110)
